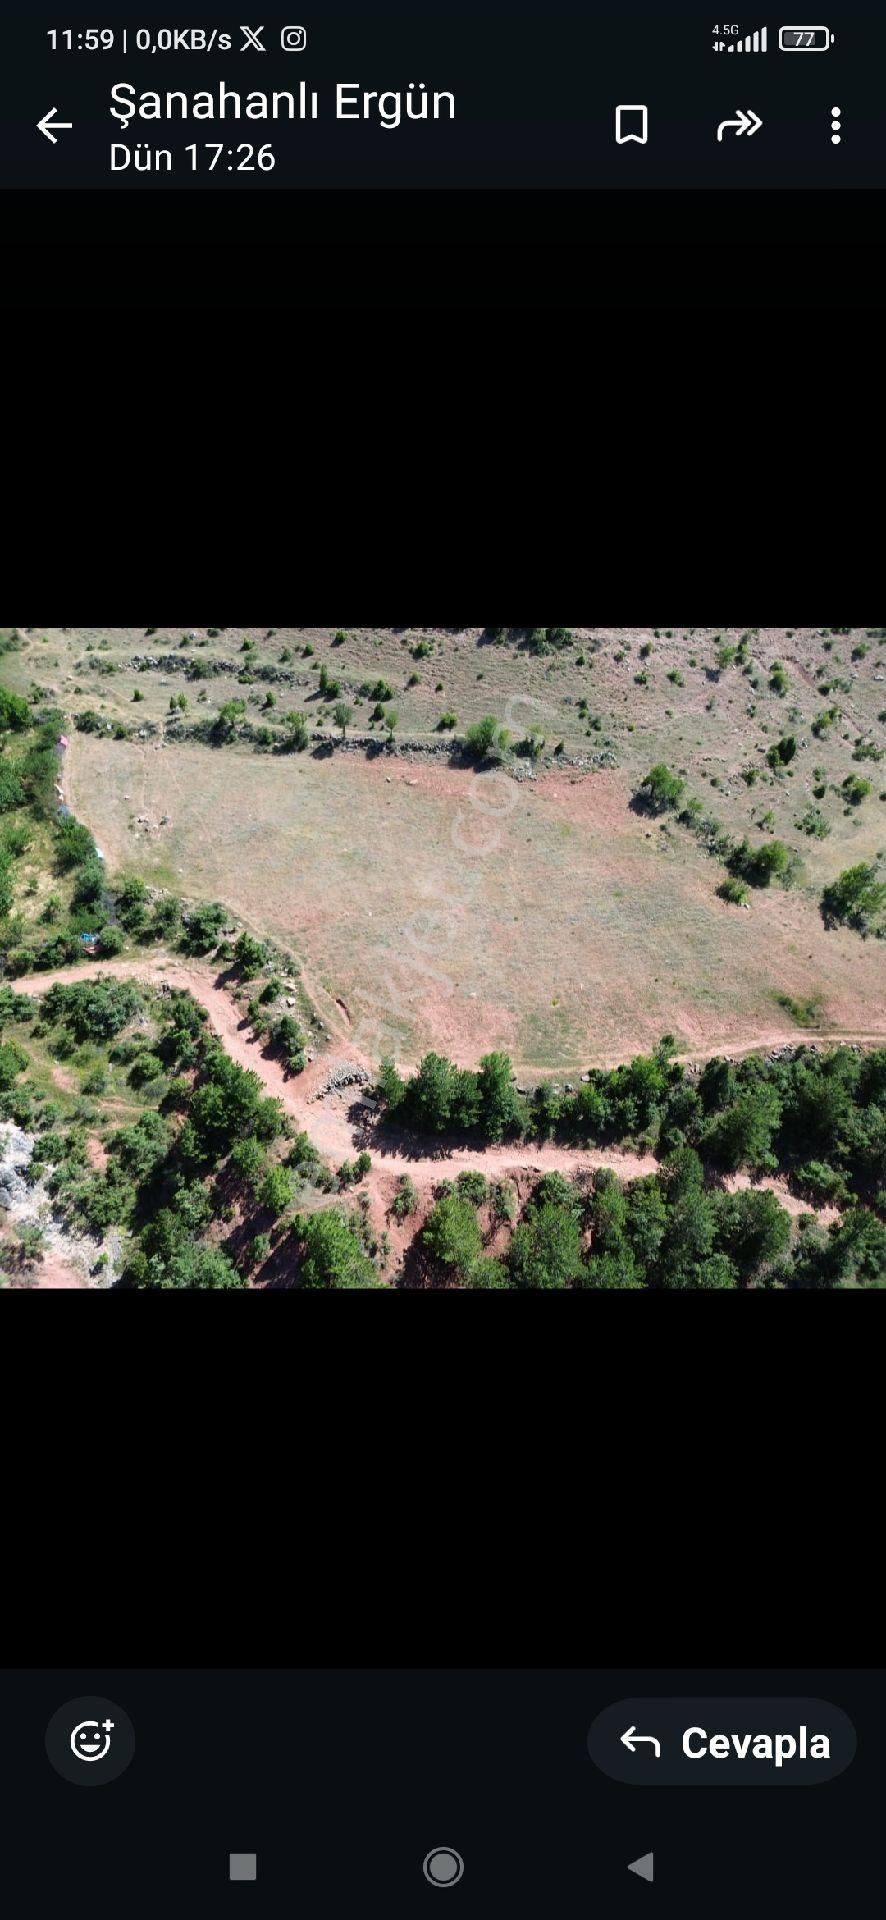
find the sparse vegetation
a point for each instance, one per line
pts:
(548, 844)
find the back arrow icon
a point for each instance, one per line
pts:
(746, 123)
(44, 124)
(631, 1739)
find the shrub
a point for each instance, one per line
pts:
(484, 736)
(472, 1186)
(760, 865)
(733, 890)
(405, 1199)
(855, 790)
(227, 723)
(503, 1201)
(12, 1062)
(296, 736)
(814, 823)
(783, 751)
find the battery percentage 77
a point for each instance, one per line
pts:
(805, 39)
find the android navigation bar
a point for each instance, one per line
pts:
(710, 1742)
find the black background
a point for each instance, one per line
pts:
(525, 256)
(396, 409)
(342, 1782)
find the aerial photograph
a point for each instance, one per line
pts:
(442, 959)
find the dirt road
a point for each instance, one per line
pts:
(327, 1121)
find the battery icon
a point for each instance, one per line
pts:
(805, 39)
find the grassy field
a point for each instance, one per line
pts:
(436, 906)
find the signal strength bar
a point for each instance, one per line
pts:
(752, 43)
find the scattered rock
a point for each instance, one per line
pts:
(346, 1075)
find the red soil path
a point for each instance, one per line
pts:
(326, 1120)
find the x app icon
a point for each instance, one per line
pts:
(253, 39)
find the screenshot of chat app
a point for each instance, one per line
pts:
(464, 1793)
(456, 96)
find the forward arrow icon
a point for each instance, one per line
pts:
(747, 122)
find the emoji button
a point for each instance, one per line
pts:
(90, 1741)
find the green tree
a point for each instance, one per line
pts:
(432, 1093)
(856, 897)
(343, 716)
(611, 1270)
(132, 905)
(93, 1009)
(332, 1254)
(661, 789)
(500, 1106)
(389, 1086)
(73, 845)
(248, 1159)
(646, 1221)
(752, 1229)
(13, 1061)
(193, 1267)
(275, 1191)
(392, 720)
(227, 723)
(545, 1250)
(760, 865)
(203, 927)
(165, 917)
(487, 1273)
(250, 955)
(15, 714)
(608, 1211)
(452, 1234)
(742, 1136)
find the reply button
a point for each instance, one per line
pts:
(729, 1743)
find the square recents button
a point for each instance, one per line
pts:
(242, 1866)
